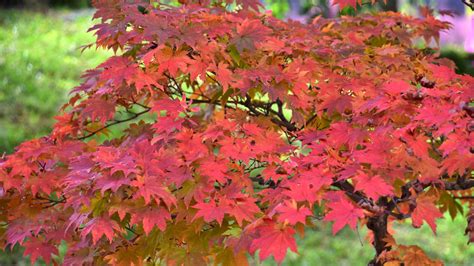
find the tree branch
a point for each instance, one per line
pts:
(356, 196)
(469, 4)
(460, 184)
(115, 123)
(464, 197)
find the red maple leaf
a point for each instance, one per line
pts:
(36, 248)
(112, 182)
(168, 60)
(343, 212)
(151, 217)
(456, 162)
(17, 233)
(249, 33)
(243, 209)
(223, 75)
(198, 68)
(99, 227)
(210, 211)
(308, 185)
(274, 239)
(425, 211)
(98, 108)
(396, 87)
(143, 80)
(335, 102)
(372, 186)
(150, 188)
(290, 213)
(115, 159)
(38, 184)
(215, 169)
(343, 3)
(118, 69)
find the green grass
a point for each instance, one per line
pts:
(40, 61)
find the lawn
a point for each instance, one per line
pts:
(40, 62)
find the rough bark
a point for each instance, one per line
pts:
(378, 226)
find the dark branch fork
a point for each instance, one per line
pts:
(469, 3)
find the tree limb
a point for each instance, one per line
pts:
(115, 122)
(469, 4)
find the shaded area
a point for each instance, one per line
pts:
(464, 61)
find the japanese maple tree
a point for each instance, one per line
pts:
(218, 130)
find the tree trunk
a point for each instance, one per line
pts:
(391, 5)
(378, 226)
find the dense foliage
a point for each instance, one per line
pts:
(238, 131)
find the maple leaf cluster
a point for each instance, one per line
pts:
(217, 130)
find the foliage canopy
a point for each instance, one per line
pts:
(238, 130)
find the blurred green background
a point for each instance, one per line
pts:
(40, 61)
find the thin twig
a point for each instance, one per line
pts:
(114, 123)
